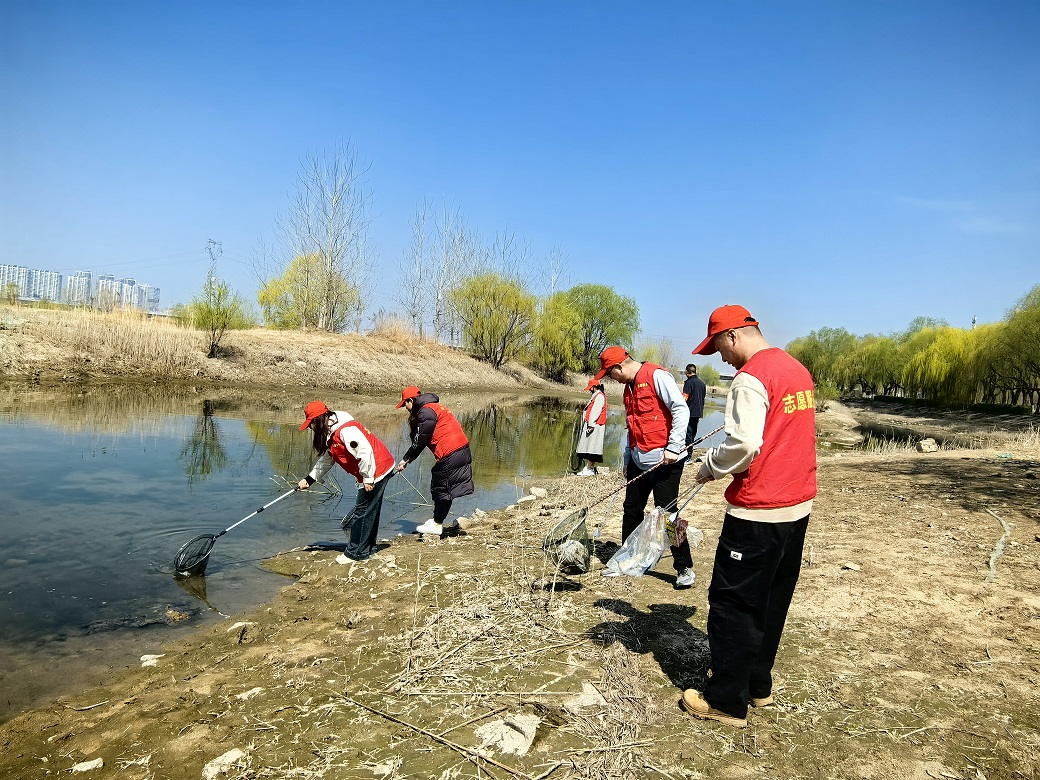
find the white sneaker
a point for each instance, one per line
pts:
(430, 527)
(587, 472)
(684, 579)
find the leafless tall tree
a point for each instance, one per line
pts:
(554, 275)
(414, 268)
(326, 223)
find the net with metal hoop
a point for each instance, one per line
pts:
(194, 555)
(568, 545)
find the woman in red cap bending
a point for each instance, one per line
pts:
(433, 425)
(340, 438)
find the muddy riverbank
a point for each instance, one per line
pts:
(911, 650)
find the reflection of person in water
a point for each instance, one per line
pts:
(339, 438)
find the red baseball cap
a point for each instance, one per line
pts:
(609, 358)
(409, 392)
(722, 319)
(311, 411)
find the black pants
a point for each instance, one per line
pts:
(441, 509)
(691, 430)
(362, 524)
(663, 482)
(756, 570)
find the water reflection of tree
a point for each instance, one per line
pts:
(203, 452)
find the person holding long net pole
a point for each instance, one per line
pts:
(656, 415)
(339, 438)
(432, 425)
(770, 453)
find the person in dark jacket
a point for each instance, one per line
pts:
(434, 426)
(693, 391)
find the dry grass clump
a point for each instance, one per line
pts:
(395, 328)
(1027, 440)
(124, 336)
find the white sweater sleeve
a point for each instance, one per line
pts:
(361, 448)
(321, 466)
(745, 427)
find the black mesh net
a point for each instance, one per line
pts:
(194, 555)
(568, 545)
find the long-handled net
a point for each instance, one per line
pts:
(193, 556)
(568, 545)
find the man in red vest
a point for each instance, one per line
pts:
(339, 438)
(656, 415)
(770, 452)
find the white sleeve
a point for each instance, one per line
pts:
(746, 410)
(668, 391)
(321, 466)
(361, 448)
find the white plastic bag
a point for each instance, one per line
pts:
(642, 549)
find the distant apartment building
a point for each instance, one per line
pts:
(33, 284)
(44, 285)
(78, 290)
(149, 298)
(16, 275)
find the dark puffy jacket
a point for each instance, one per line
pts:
(452, 474)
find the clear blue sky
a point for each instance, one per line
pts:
(845, 164)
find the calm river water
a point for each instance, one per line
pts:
(103, 486)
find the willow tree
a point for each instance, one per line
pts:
(606, 319)
(305, 297)
(556, 341)
(1023, 333)
(496, 315)
(940, 370)
(821, 350)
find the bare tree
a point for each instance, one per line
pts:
(414, 266)
(327, 222)
(553, 272)
(456, 253)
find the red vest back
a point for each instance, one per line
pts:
(784, 471)
(602, 419)
(345, 458)
(448, 435)
(649, 418)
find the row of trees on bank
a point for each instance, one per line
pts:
(455, 286)
(994, 364)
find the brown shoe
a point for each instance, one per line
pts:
(693, 702)
(765, 701)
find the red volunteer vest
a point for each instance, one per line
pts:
(649, 419)
(602, 419)
(448, 435)
(345, 458)
(784, 472)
